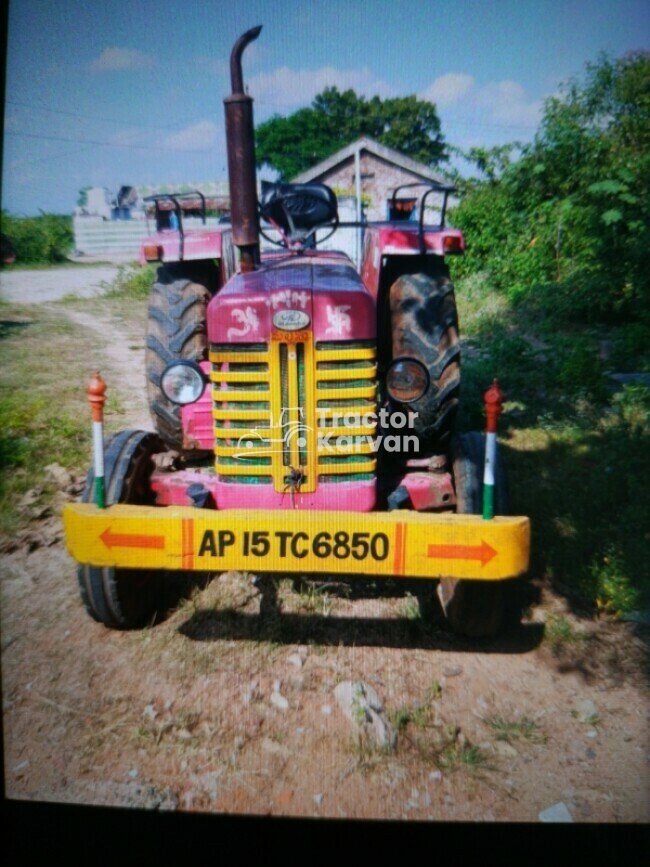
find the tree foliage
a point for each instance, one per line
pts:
(290, 145)
(569, 221)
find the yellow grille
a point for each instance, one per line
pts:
(241, 394)
(346, 391)
(275, 409)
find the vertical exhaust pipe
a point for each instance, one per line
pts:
(240, 143)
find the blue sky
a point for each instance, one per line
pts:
(110, 92)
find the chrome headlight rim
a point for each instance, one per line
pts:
(418, 370)
(180, 375)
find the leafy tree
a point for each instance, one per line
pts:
(569, 221)
(290, 145)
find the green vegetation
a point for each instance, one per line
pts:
(32, 434)
(523, 729)
(469, 755)
(553, 295)
(132, 282)
(565, 227)
(577, 450)
(292, 144)
(42, 240)
(559, 633)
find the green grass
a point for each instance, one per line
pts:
(523, 729)
(44, 417)
(314, 599)
(560, 634)
(576, 449)
(132, 282)
(469, 756)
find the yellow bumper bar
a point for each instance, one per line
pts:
(377, 544)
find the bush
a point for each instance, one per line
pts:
(571, 215)
(132, 281)
(42, 240)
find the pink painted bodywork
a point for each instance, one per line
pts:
(171, 489)
(389, 239)
(325, 286)
(429, 490)
(196, 418)
(197, 244)
(329, 496)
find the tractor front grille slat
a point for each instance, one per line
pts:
(346, 391)
(284, 410)
(241, 399)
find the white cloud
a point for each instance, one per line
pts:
(198, 137)
(474, 112)
(288, 88)
(507, 103)
(448, 89)
(116, 59)
(131, 138)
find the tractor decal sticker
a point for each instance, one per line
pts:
(483, 552)
(288, 298)
(131, 540)
(248, 321)
(339, 320)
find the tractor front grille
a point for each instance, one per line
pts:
(346, 391)
(291, 408)
(241, 395)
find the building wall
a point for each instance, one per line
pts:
(378, 180)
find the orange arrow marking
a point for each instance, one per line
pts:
(482, 552)
(126, 540)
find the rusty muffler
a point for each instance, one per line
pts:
(240, 143)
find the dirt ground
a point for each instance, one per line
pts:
(216, 711)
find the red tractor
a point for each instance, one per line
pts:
(304, 413)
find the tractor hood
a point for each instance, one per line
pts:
(322, 294)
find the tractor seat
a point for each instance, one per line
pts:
(307, 205)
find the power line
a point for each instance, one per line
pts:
(106, 143)
(50, 157)
(81, 116)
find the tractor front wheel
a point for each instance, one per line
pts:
(127, 598)
(477, 609)
(176, 329)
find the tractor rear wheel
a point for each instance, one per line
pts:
(477, 609)
(127, 598)
(176, 329)
(424, 325)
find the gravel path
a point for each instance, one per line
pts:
(52, 284)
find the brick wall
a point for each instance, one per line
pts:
(378, 180)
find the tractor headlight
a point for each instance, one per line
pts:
(182, 382)
(407, 380)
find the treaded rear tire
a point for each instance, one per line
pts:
(424, 324)
(126, 598)
(478, 609)
(176, 329)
